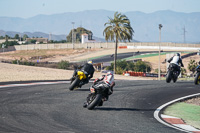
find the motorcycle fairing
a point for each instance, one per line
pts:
(81, 75)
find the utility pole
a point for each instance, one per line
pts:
(184, 31)
(50, 35)
(73, 34)
(160, 26)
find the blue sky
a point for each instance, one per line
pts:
(30, 8)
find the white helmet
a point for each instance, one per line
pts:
(109, 78)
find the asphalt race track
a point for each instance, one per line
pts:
(109, 58)
(55, 109)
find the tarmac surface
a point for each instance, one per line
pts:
(53, 108)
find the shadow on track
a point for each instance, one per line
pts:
(122, 109)
(82, 90)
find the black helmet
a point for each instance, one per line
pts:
(177, 54)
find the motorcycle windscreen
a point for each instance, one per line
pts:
(81, 75)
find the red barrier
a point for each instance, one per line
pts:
(132, 73)
(144, 74)
(122, 47)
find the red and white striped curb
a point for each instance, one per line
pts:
(178, 122)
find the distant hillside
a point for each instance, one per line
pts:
(40, 34)
(44, 35)
(145, 25)
(34, 34)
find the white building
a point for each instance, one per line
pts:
(84, 39)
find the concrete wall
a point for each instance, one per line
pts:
(96, 45)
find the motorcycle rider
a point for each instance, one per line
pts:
(88, 70)
(106, 81)
(176, 60)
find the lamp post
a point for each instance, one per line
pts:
(73, 34)
(160, 26)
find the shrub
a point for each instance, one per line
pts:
(20, 62)
(192, 65)
(63, 65)
(14, 61)
(183, 71)
(10, 43)
(123, 65)
(156, 71)
(119, 70)
(141, 66)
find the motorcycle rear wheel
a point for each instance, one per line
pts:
(95, 101)
(74, 84)
(169, 77)
(175, 77)
(197, 78)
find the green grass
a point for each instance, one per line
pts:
(188, 112)
(149, 55)
(144, 55)
(135, 57)
(93, 58)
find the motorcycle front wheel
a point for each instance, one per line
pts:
(74, 84)
(197, 78)
(94, 101)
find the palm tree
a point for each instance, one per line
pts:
(118, 29)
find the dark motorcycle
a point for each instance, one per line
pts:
(172, 73)
(197, 77)
(77, 80)
(98, 94)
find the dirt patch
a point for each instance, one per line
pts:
(195, 101)
(45, 55)
(13, 72)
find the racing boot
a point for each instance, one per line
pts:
(85, 104)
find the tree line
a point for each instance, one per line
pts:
(17, 37)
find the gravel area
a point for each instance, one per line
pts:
(13, 72)
(195, 101)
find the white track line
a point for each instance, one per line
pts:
(35, 83)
